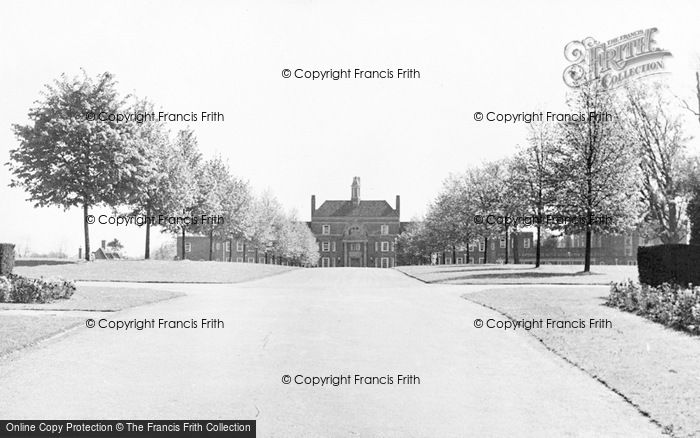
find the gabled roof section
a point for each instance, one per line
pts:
(349, 209)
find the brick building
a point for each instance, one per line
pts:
(356, 232)
(606, 249)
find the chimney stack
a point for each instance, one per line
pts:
(313, 205)
(398, 205)
(104, 244)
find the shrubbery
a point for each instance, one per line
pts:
(18, 289)
(668, 304)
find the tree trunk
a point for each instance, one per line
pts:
(183, 243)
(211, 243)
(587, 261)
(245, 251)
(147, 252)
(516, 246)
(538, 247)
(86, 229)
(467, 253)
(486, 249)
(507, 244)
(454, 254)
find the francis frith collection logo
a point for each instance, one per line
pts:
(614, 62)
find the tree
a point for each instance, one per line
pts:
(659, 136)
(152, 197)
(412, 246)
(69, 159)
(179, 194)
(530, 170)
(595, 168)
(115, 245)
(486, 196)
(223, 196)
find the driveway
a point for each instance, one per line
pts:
(318, 322)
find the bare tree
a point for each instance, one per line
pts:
(658, 133)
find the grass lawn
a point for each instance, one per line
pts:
(21, 330)
(655, 368)
(520, 274)
(154, 271)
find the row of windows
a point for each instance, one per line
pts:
(379, 262)
(227, 246)
(326, 229)
(330, 246)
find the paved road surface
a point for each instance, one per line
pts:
(473, 382)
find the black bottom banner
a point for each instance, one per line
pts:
(127, 428)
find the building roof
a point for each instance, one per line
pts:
(349, 209)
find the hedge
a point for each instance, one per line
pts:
(673, 264)
(7, 258)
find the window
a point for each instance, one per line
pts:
(385, 247)
(385, 229)
(493, 245)
(502, 242)
(376, 246)
(628, 252)
(459, 260)
(326, 229)
(471, 260)
(481, 247)
(448, 261)
(561, 242)
(188, 246)
(526, 242)
(471, 247)
(261, 259)
(628, 240)
(239, 246)
(481, 260)
(239, 259)
(325, 246)
(355, 247)
(325, 262)
(218, 246)
(251, 259)
(333, 246)
(385, 262)
(227, 246)
(392, 246)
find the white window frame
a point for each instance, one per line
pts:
(628, 251)
(239, 259)
(502, 242)
(481, 260)
(239, 246)
(188, 246)
(459, 260)
(385, 246)
(227, 246)
(325, 229)
(526, 242)
(325, 246)
(481, 247)
(333, 246)
(218, 246)
(325, 262)
(384, 229)
(384, 262)
(251, 259)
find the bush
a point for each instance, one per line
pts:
(674, 264)
(7, 258)
(668, 304)
(18, 289)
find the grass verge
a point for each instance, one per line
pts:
(520, 274)
(41, 321)
(654, 368)
(155, 271)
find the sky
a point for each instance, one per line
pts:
(298, 137)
